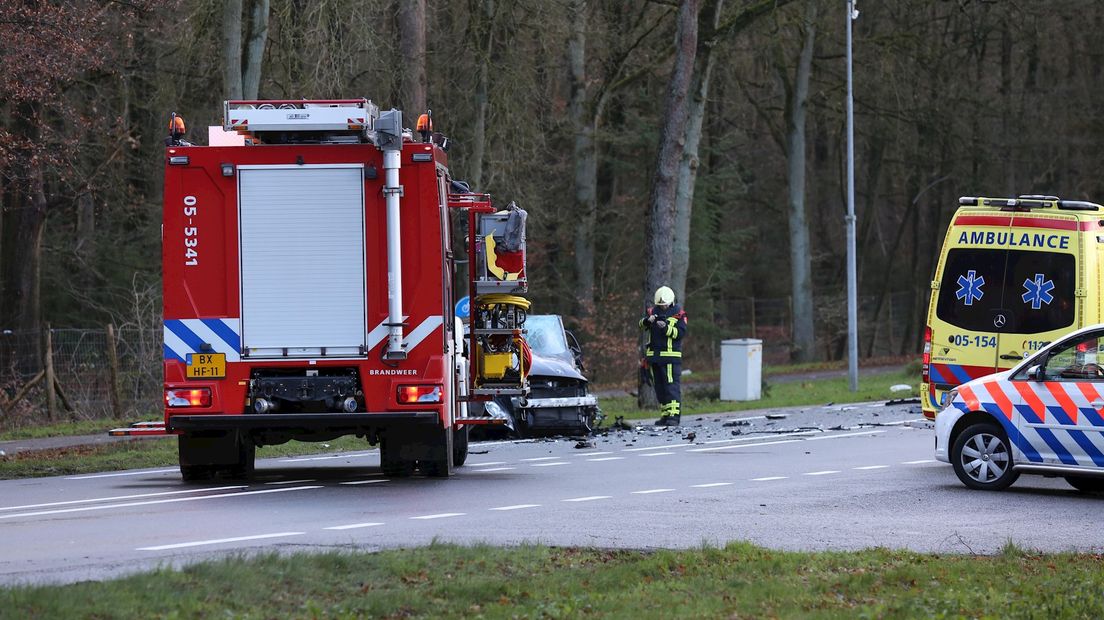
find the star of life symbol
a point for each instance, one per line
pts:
(1038, 291)
(970, 287)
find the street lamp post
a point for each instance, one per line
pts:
(852, 277)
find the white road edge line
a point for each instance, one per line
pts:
(871, 467)
(330, 457)
(366, 481)
(516, 507)
(920, 462)
(650, 491)
(443, 515)
(351, 526)
(844, 435)
(278, 482)
(821, 473)
(487, 464)
(118, 497)
(540, 458)
(659, 454)
(158, 501)
(483, 471)
(218, 541)
(768, 478)
(124, 473)
(589, 498)
(759, 437)
(709, 485)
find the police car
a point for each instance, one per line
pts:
(1043, 416)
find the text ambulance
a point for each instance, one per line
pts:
(1014, 274)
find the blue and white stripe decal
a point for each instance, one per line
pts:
(186, 336)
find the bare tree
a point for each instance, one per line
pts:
(243, 81)
(412, 48)
(231, 49)
(661, 220)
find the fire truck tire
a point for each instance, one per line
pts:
(247, 457)
(459, 446)
(392, 463)
(440, 444)
(196, 473)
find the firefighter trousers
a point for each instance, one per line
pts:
(665, 378)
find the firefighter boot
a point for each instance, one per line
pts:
(663, 420)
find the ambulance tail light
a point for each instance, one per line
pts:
(925, 359)
(190, 397)
(411, 394)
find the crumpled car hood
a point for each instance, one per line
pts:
(554, 367)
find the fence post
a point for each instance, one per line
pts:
(51, 396)
(113, 361)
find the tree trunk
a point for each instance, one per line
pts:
(586, 161)
(688, 166)
(661, 220)
(800, 259)
(482, 93)
(231, 48)
(412, 47)
(254, 56)
(20, 298)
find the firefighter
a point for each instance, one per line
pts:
(664, 325)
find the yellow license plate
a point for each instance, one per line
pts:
(206, 365)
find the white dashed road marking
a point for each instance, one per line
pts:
(125, 473)
(157, 501)
(366, 481)
(659, 454)
(650, 491)
(288, 482)
(443, 515)
(608, 458)
(871, 467)
(768, 478)
(219, 541)
(516, 507)
(589, 498)
(548, 464)
(487, 464)
(490, 469)
(351, 526)
(710, 485)
(920, 462)
(821, 473)
(745, 445)
(541, 458)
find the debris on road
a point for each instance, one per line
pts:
(584, 444)
(776, 416)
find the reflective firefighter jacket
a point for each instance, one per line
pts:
(663, 339)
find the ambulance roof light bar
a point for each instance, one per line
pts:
(289, 115)
(1028, 202)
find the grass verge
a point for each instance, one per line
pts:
(698, 400)
(445, 581)
(139, 454)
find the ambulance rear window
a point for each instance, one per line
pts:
(1032, 291)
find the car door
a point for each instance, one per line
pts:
(1061, 411)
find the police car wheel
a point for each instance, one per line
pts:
(1086, 484)
(982, 458)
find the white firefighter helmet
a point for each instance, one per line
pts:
(664, 296)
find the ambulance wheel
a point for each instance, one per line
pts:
(1086, 484)
(459, 446)
(982, 458)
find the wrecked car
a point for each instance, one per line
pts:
(559, 401)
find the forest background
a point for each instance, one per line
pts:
(699, 143)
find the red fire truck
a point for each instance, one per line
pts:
(308, 290)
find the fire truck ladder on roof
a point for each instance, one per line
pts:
(351, 119)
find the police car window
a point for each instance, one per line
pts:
(1032, 291)
(970, 292)
(1081, 360)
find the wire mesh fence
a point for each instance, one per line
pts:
(97, 373)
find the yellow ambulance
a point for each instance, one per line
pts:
(1014, 274)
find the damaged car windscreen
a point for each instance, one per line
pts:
(545, 336)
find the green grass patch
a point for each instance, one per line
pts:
(445, 581)
(700, 399)
(139, 454)
(82, 427)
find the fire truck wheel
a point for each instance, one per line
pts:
(982, 458)
(195, 473)
(392, 464)
(440, 444)
(247, 456)
(459, 446)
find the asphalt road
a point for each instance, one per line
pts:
(819, 478)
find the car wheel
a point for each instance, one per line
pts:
(1086, 484)
(982, 458)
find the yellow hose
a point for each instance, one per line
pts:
(501, 298)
